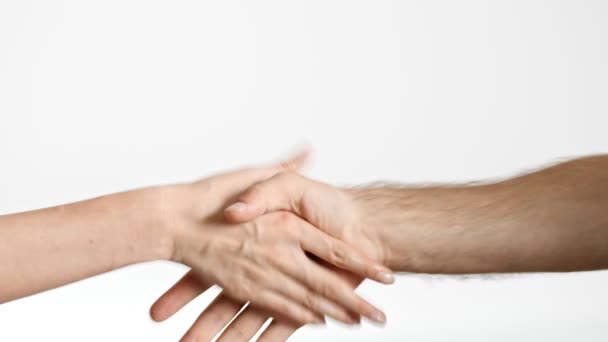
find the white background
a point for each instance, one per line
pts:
(102, 96)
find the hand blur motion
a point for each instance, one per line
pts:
(327, 208)
(262, 258)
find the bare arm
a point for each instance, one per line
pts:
(46, 248)
(554, 220)
(264, 261)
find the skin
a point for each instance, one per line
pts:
(552, 220)
(263, 261)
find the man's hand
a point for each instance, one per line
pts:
(551, 220)
(331, 209)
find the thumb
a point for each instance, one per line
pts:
(296, 161)
(283, 191)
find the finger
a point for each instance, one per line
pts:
(245, 326)
(213, 319)
(278, 331)
(341, 254)
(180, 294)
(283, 191)
(291, 288)
(297, 161)
(294, 163)
(283, 306)
(332, 287)
(245, 178)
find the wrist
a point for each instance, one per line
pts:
(374, 223)
(369, 227)
(179, 218)
(434, 229)
(159, 215)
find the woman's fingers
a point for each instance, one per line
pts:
(278, 331)
(213, 319)
(245, 326)
(330, 286)
(293, 289)
(180, 294)
(284, 306)
(342, 255)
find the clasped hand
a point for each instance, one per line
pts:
(274, 261)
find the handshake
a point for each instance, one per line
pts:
(295, 249)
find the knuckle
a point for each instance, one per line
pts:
(244, 291)
(326, 290)
(338, 254)
(256, 230)
(334, 289)
(311, 300)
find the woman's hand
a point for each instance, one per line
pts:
(330, 207)
(264, 261)
(245, 320)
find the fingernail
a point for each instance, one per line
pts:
(237, 207)
(386, 278)
(378, 317)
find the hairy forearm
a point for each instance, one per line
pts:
(46, 248)
(555, 219)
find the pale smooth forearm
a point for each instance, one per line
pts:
(552, 220)
(46, 248)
